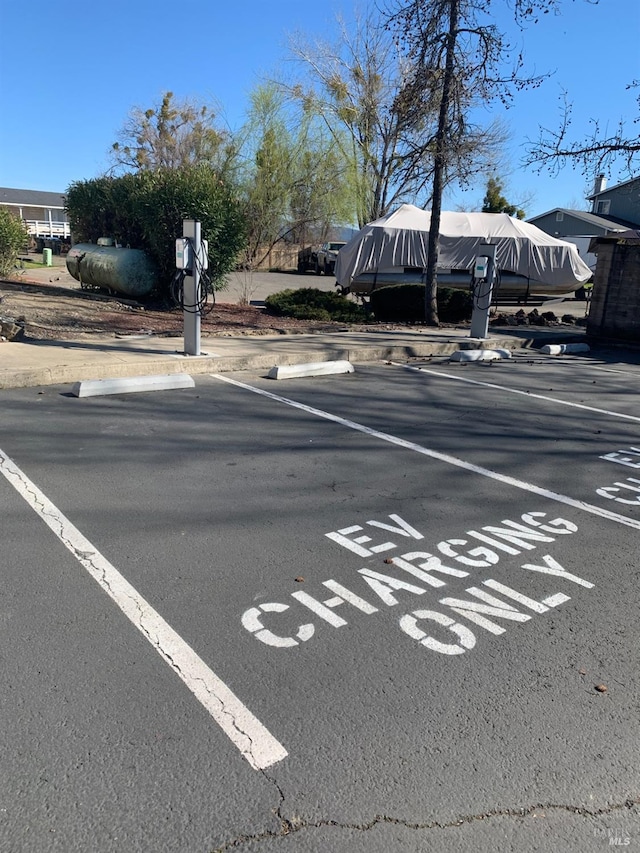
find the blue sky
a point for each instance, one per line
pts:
(69, 76)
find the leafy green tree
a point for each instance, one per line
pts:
(294, 180)
(495, 202)
(14, 238)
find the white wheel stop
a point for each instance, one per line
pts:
(480, 354)
(560, 349)
(131, 385)
(318, 368)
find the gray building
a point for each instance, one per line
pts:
(620, 203)
(613, 210)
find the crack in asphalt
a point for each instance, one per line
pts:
(289, 826)
(223, 710)
(93, 564)
(157, 644)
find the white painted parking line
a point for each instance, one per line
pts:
(245, 731)
(633, 374)
(516, 391)
(435, 454)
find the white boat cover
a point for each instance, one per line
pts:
(400, 239)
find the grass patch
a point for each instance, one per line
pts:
(30, 265)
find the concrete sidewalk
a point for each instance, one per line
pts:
(33, 363)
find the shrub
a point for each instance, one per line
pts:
(145, 211)
(14, 238)
(405, 302)
(402, 302)
(309, 303)
(454, 306)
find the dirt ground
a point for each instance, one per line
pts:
(50, 305)
(51, 313)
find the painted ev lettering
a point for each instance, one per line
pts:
(551, 567)
(344, 536)
(251, 621)
(511, 538)
(614, 492)
(473, 611)
(630, 457)
(466, 638)
(490, 558)
(558, 526)
(383, 584)
(429, 563)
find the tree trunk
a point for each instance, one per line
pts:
(431, 277)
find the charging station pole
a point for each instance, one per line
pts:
(482, 300)
(191, 312)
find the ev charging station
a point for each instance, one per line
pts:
(192, 259)
(483, 279)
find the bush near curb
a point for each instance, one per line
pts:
(14, 238)
(309, 303)
(405, 302)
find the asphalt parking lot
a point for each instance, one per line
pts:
(394, 610)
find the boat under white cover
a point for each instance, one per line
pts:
(393, 250)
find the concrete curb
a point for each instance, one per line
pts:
(136, 365)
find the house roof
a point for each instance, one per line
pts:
(31, 198)
(614, 187)
(610, 223)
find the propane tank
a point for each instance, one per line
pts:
(126, 271)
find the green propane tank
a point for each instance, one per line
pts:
(126, 271)
(47, 257)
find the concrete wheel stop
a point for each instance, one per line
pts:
(131, 385)
(480, 354)
(318, 368)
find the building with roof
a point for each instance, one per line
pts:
(43, 212)
(613, 210)
(621, 203)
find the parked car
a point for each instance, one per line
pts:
(327, 255)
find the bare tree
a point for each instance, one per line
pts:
(171, 135)
(594, 153)
(359, 89)
(459, 59)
